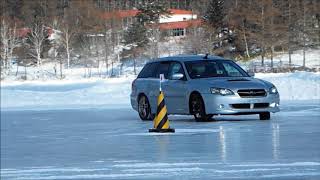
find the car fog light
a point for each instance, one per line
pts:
(273, 90)
(221, 106)
(272, 105)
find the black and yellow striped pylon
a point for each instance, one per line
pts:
(161, 121)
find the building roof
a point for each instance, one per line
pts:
(120, 14)
(23, 32)
(180, 11)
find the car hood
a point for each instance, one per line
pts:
(236, 83)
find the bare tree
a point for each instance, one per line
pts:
(306, 36)
(68, 28)
(8, 42)
(67, 35)
(36, 40)
(112, 31)
(198, 41)
(271, 31)
(57, 45)
(240, 19)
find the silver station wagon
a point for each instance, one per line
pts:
(202, 86)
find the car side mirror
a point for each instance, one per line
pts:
(177, 76)
(251, 74)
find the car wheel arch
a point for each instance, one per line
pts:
(189, 102)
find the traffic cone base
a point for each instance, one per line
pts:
(162, 130)
(161, 121)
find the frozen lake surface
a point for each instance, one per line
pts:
(112, 143)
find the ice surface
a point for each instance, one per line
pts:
(109, 144)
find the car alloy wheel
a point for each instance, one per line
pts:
(144, 108)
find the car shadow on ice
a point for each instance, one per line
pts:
(215, 119)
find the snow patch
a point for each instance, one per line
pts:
(157, 165)
(294, 86)
(279, 164)
(90, 176)
(191, 169)
(291, 175)
(248, 170)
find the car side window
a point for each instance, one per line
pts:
(162, 68)
(175, 68)
(148, 71)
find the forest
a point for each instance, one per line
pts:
(94, 34)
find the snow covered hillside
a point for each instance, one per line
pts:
(114, 92)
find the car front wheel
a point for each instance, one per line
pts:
(198, 108)
(264, 116)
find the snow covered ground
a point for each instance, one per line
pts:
(295, 86)
(282, 60)
(85, 93)
(114, 92)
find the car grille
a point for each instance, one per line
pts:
(240, 106)
(261, 105)
(247, 106)
(247, 93)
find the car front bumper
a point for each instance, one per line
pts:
(234, 104)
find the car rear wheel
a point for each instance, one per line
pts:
(264, 116)
(144, 108)
(198, 108)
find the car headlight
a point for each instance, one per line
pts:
(273, 90)
(221, 91)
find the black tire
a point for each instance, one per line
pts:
(264, 116)
(144, 108)
(198, 108)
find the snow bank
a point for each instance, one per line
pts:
(86, 93)
(115, 92)
(295, 86)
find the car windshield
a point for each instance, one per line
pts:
(219, 68)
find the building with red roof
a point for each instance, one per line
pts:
(175, 24)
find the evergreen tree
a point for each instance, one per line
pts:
(150, 12)
(219, 37)
(135, 36)
(215, 13)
